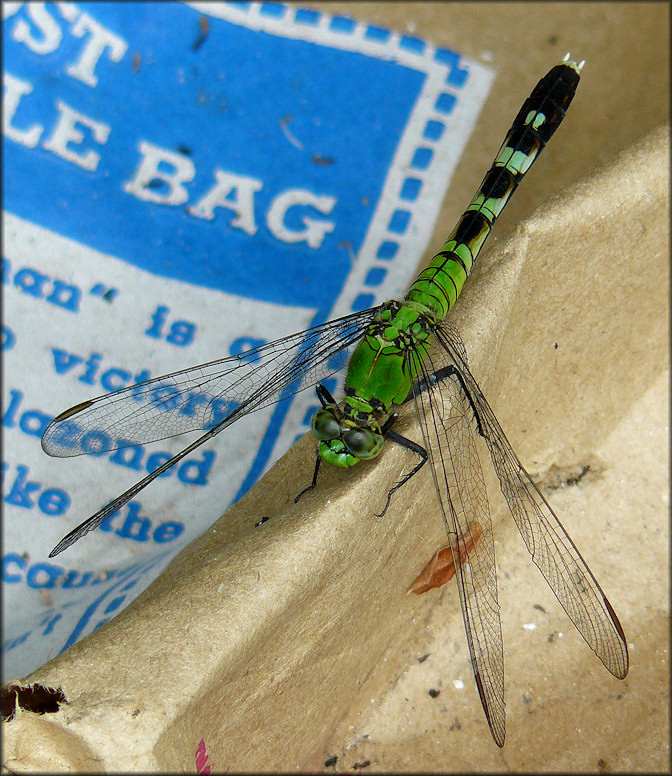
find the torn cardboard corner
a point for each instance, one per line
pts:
(257, 639)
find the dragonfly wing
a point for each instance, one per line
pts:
(447, 429)
(209, 396)
(550, 546)
(245, 384)
(116, 504)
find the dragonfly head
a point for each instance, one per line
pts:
(342, 442)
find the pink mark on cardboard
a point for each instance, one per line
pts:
(202, 758)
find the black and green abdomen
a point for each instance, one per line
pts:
(438, 286)
(388, 360)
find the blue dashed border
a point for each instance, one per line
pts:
(402, 217)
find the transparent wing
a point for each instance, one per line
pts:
(204, 397)
(446, 420)
(551, 548)
(165, 406)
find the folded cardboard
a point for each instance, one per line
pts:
(258, 639)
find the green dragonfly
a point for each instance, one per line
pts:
(405, 352)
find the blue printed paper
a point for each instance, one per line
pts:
(183, 182)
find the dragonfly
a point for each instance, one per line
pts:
(402, 353)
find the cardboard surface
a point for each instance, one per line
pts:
(276, 634)
(564, 712)
(273, 633)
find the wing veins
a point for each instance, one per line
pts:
(134, 412)
(300, 367)
(552, 549)
(460, 488)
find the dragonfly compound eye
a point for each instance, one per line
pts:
(363, 443)
(325, 426)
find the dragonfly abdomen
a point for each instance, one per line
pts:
(437, 287)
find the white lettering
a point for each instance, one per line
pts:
(46, 25)
(162, 175)
(100, 40)
(243, 203)
(66, 132)
(13, 90)
(183, 171)
(315, 231)
(9, 9)
(68, 11)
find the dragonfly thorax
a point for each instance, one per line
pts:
(383, 368)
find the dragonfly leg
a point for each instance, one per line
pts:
(326, 400)
(425, 384)
(439, 376)
(409, 445)
(313, 484)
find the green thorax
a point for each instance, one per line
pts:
(386, 362)
(382, 370)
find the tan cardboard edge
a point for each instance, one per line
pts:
(255, 642)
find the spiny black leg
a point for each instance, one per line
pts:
(448, 371)
(409, 445)
(420, 386)
(394, 417)
(324, 396)
(313, 484)
(427, 382)
(326, 399)
(439, 376)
